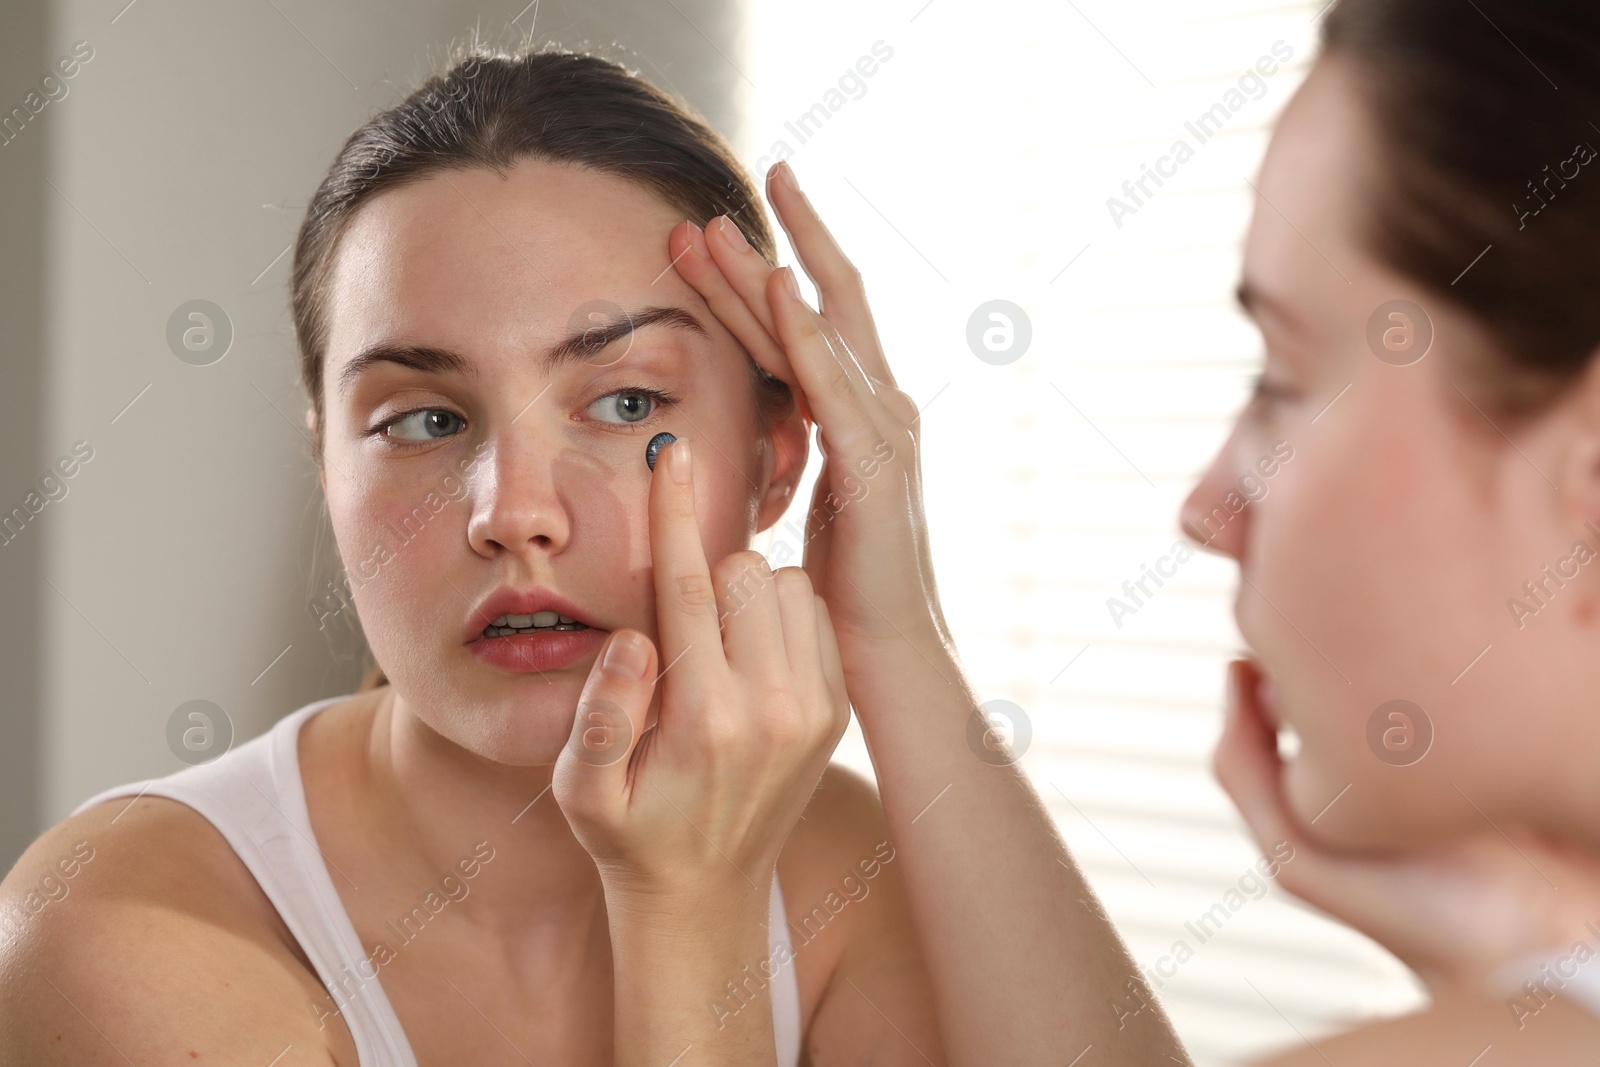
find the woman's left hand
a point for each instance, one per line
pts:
(866, 546)
(1462, 914)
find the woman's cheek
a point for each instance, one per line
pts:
(1303, 617)
(607, 502)
(726, 507)
(393, 547)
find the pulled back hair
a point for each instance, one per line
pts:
(493, 109)
(1483, 116)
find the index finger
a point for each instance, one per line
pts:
(689, 635)
(841, 297)
(749, 321)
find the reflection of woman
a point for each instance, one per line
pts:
(1411, 190)
(498, 304)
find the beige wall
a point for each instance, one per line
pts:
(183, 556)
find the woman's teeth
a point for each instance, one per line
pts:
(528, 624)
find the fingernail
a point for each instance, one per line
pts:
(697, 241)
(625, 658)
(786, 175)
(790, 284)
(731, 235)
(678, 463)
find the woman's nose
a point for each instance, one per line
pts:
(1215, 513)
(517, 504)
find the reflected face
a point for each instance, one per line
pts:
(1396, 523)
(501, 350)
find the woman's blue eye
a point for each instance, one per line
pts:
(629, 405)
(428, 424)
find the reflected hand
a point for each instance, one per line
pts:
(1455, 914)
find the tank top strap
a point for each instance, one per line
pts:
(785, 986)
(254, 796)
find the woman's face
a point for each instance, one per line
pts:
(487, 447)
(1380, 556)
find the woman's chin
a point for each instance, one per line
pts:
(527, 732)
(1345, 812)
(519, 747)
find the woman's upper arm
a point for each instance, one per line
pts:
(1457, 1033)
(876, 1005)
(108, 965)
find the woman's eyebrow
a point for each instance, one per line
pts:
(583, 345)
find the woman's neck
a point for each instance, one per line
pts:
(437, 810)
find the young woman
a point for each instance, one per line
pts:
(585, 814)
(1419, 591)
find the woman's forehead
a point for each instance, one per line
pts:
(469, 252)
(1303, 244)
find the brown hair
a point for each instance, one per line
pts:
(1475, 137)
(493, 109)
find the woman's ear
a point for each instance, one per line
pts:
(788, 446)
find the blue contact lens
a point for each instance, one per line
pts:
(657, 443)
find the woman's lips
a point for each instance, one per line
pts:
(535, 652)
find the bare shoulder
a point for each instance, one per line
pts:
(840, 846)
(131, 930)
(1458, 1032)
(833, 870)
(856, 949)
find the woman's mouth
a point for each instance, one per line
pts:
(540, 645)
(538, 622)
(530, 630)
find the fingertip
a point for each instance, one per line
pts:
(680, 238)
(626, 657)
(695, 238)
(781, 175)
(1231, 691)
(731, 236)
(1228, 749)
(670, 458)
(791, 284)
(680, 462)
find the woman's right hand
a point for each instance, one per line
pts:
(1455, 915)
(752, 705)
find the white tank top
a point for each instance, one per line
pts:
(1533, 981)
(253, 795)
